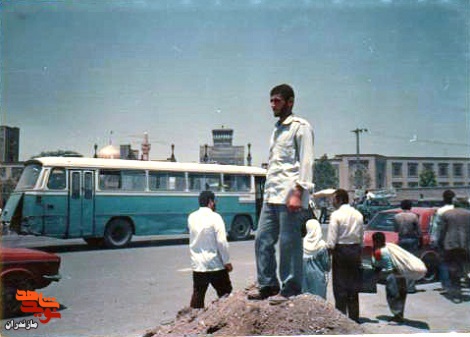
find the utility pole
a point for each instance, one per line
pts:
(359, 177)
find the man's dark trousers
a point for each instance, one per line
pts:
(347, 278)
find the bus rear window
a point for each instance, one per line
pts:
(29, 177)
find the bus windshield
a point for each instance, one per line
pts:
(29, 177)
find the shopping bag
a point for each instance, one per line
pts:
(407, 264)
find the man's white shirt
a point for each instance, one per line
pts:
(207, 241)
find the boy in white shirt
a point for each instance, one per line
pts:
(209, 251)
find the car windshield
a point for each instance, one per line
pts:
(29, 177)
(382, 222)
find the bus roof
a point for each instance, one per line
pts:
(81, 162)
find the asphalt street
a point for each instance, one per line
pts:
(124, 292)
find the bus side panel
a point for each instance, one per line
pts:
(55, 214)
(32, 217)
(229, 206)
(151, 215)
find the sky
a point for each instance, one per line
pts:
(78, 73)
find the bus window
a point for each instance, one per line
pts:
(167, 181)
(201, 182)
(29, 177)
(236, 183)
(133, 180)
(110, 180)
(57, 180)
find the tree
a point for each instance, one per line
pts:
(324, 174)
(58, 153)
(427, 178)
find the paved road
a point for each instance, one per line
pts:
(124, 292)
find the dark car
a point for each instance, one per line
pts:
(384, 221)
(370, 207)
(25, 269)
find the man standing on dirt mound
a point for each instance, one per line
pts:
(289, 182)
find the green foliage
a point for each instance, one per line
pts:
(58, 153)
(324, 174)
(427, 178)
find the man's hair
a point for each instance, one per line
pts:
(406, 204)
(205, 197)
(284, 90)
(447, 196)
(341, 196)
(378, 238)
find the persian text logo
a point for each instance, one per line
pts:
(44, 308)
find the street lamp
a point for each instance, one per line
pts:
(359, 179)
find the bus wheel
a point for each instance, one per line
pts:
(431, 261)
(241, 228)
(118, 233)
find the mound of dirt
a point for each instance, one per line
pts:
(237, 316)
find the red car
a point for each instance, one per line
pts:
(384, 221)
(25, 269)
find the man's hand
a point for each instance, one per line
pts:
(294, 200)
(228, 267)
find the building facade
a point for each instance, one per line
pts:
(400, 172)
(9, 144)
(223, 151)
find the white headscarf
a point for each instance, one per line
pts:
(313, 241)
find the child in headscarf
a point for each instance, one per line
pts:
(316, 261)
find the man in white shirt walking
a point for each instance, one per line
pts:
(345, 235)
(209, 251)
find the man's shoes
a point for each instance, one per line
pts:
(277, 299)
(263, 293)
(398, 318)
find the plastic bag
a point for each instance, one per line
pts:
(407, 264)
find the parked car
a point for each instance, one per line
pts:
(370, 207)
(384, 221)
(25, 269)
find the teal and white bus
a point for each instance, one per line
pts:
(107, 201)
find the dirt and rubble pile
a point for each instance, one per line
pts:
(237, 316)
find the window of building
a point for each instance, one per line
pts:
(397, 169)
(458, 170)
(428, 166)
(459, 184)
(397, 184)
(443, 184)
(443, 170)
(412, 169)
(167, 181)
(413, 184)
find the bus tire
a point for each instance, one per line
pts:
(118, 233)
(431, 261)
(241, 228)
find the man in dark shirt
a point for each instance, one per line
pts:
(409, 233)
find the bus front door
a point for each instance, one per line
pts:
(81, 204)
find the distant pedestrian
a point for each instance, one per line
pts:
(316, 261)
(289, 183)
(436, 226)
(323, 210)
(454, 240)
(345, 235)
(395, 284)
(409, 234)
(209, 251)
